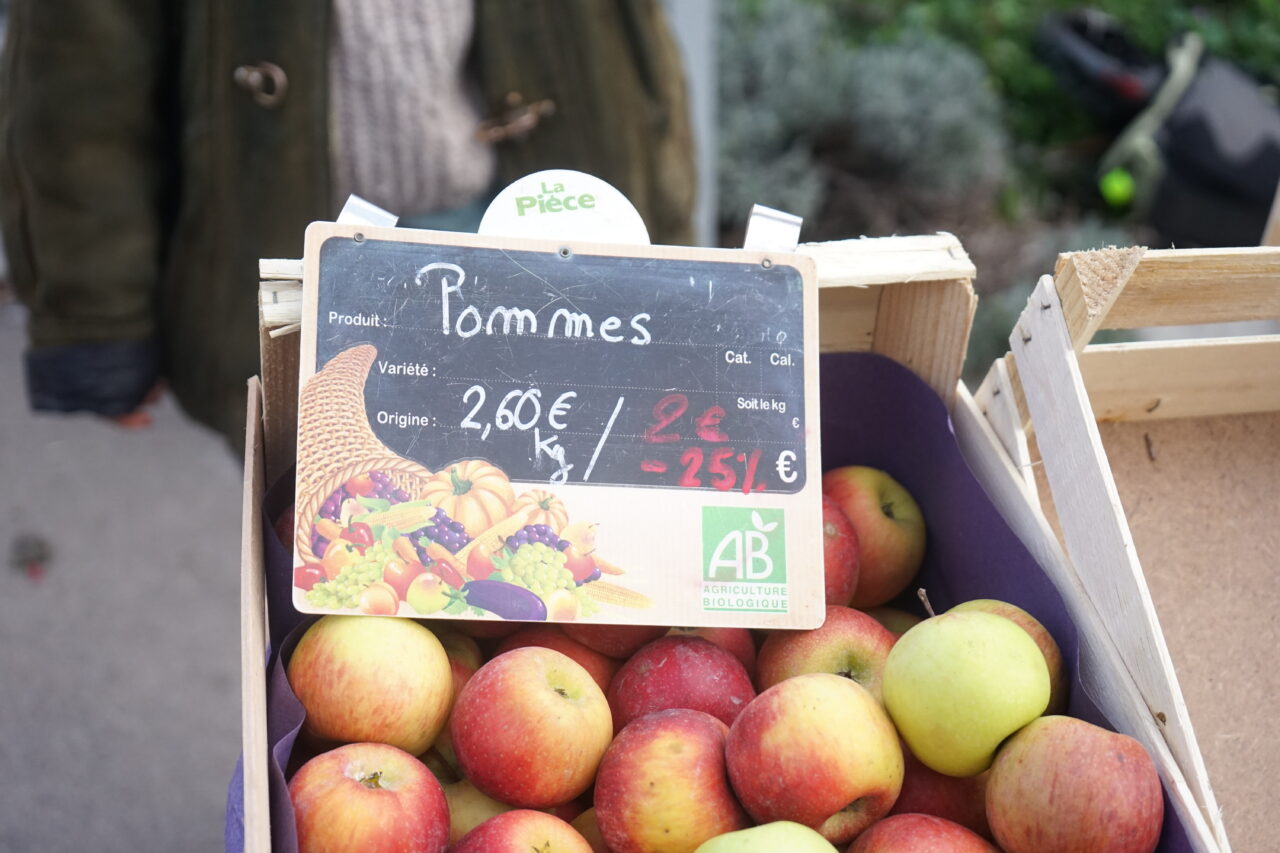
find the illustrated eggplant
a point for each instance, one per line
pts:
(506, 600)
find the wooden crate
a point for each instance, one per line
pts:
(1169, 450)
(909, 298)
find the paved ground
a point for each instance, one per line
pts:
(119, 671)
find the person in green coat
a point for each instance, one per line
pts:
(151, 151)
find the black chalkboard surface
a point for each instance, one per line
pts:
(562, 367)
(644, 390)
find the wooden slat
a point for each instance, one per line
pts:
(925, 325)
(847, 318)
(1185, 378)
(253, 638)
(1178, 287)
(886, 260)
(1102, 671)
(1094, 526)
(996, 399)
(1088, 284)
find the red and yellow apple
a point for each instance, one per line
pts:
(1062, 784)
(680, 672)
(662, 784)
(819, 750)
(530, 728)
(849, 643)
(911, 833)
(589, 828)
(890, 526)
(602, 667)
(368, 796)
(616, 641)
(522, 831)
(372, 678)
(960, 799)
(736, 641)
(840, 554)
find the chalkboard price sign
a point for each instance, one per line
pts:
(649, 383)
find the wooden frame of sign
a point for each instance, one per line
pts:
(1167, 450)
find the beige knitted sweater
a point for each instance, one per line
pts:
(403, 115)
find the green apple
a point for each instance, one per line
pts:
(958, 684)
(769, 838)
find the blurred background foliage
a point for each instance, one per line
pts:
(898, 117)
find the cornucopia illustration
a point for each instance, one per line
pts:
(381, 534)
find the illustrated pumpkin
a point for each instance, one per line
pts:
(472, 492)
(544, 508)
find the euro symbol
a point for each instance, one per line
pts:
(783, 466)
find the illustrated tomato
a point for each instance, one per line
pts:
(338, 556)
(398, 573)
(361, 485)
(308, 575)
(581, 565)
(359, 533)
(480, 561)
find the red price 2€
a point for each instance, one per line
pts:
(719, 467)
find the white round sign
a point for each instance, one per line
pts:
(561, 204)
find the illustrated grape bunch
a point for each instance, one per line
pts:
(442, 529)
(535, 533)
(343, 592)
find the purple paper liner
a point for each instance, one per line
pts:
(874, 412)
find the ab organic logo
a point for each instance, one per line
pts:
(744, 560)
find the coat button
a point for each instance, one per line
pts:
(265, 81)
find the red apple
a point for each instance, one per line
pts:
(819, 750)
(1060, 785)
(616, 641)
(522, 831)
(530, 727)
(849, 643)
(398, 573)
(680, 672)
(461, 649)
(601, 667)
(662, 784)
(369, 678)
(581, 565)
(958, 799)
(369, 797)
(891, 530)
(1059, 684)
(737, 641)
(840, 559)
(914, 833)
(898, 621)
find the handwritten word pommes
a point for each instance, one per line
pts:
(563, 323)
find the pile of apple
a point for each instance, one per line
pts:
(879, 730)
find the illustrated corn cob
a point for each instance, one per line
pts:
(604, 592)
